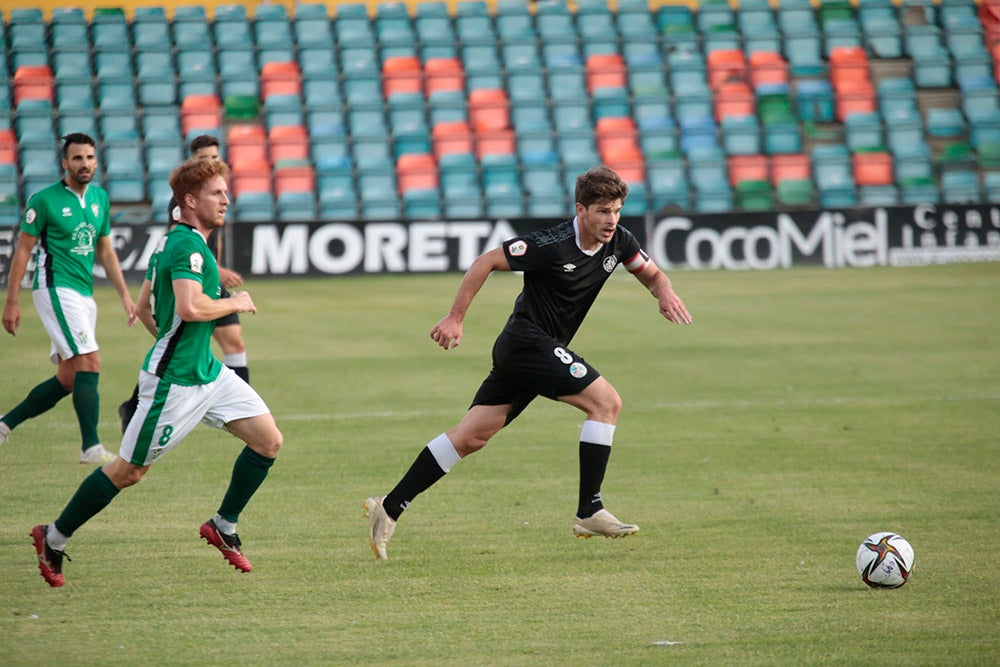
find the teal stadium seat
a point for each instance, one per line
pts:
(311, 27)
(190, 28)
(109, 31)
(271, 26)
(68, 30)
(150, 29)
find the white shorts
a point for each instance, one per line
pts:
(168, 412)
(69, 318)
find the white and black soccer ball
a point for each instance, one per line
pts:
(885, 560)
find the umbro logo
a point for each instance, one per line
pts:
(569, 268)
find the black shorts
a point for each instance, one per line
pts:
(530, 365)
(230, 319)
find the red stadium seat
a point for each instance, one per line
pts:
(288, 142)
(605, 70)
(33, 82)
(416, 171)
(451, 137)
(200, 112)
(872, 168)
(246, 142)
(748, 168)
(280, 78)
(725, 65)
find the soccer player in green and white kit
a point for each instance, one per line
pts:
(69, 221)
(181, 383)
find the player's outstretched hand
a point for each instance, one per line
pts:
(673, 308)
(447, 333)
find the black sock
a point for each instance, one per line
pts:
(593, 463)
(243, 372)
(424, 472)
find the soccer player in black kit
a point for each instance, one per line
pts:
(564, 268)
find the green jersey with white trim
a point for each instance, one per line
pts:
(67, 227)
(182, 353)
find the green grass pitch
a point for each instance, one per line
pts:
(802, 411)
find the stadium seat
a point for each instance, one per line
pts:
(150, 29)
(416, 171)
(872, 168)
(337, 195)
(668, 185)
(246, 141)
(754, 195)
(280, 78)
(443, 74)
(254, 206)
(163, 158)
(748, 168)
(200, 112)
(863, 131)
(401, 74)
(161, 125)
(251, 176)
(733, 98)
(33, 83)
(378, 193)
(109, 30)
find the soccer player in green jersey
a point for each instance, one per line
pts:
(181, 383)
(564, 269)
(228, 330)
(70, 224)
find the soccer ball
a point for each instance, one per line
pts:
(885, 560)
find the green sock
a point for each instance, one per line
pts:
(249, 472)
(87, 404)
(94, 494)
(40, 399)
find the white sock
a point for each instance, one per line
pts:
(238, 360)
(225, 527)
(444, 452)
(57, 541)
(597, 433)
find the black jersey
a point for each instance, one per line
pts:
(561, 281)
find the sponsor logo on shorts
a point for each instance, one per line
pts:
(610, 263)
(577, 370)
(517, 248)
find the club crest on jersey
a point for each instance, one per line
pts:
(577, 370)
(30, 216)
(83, 236)
(95, 209)
(610, 263)
(196, 262)
(517, 248)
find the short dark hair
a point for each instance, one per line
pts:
(599, 184)
(76, 138)
(203, 141)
